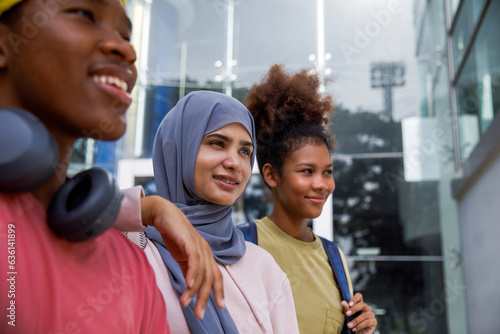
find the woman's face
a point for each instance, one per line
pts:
(223, 164)
(306, 182)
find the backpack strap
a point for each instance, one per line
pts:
(249, 231)
(335, 260)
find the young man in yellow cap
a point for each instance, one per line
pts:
(70, 64)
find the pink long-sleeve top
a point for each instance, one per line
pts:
(257, 293)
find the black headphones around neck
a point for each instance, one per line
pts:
(84, 207)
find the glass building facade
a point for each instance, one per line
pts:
(416, 86)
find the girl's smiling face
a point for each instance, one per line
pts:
(223, 164)
(306, 181)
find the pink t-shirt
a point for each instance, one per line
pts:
(49, 285)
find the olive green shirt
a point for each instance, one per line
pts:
(315, 291)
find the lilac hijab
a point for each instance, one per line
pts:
(174, 155)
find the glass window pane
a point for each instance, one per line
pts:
(370, 57)
(454, 6)
(256, 202)
(186, 41)
(375, 136)
(269, 32)
(487, 53)
(461, 34)
(377, 209)
(468, 104)
(477, 7)
(423, 307)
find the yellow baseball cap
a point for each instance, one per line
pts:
(7, 4)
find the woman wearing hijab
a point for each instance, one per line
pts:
(202, 158)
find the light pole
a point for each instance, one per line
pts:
(323, 225)
(141, 18)
(228, 85)
(386, 76)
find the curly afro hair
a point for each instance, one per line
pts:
(289, 112)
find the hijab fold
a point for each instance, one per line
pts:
(174, 155)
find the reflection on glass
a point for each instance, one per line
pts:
(487, 53)
(422, 297)
(365, 132)
(461, 34)
(79, 154)
(477, 7)
(147, 183)
(454, 6)
(376, 205)
(467, 104)
(187, 38)
(387, 217)
(256, 203)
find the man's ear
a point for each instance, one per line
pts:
(270, 175)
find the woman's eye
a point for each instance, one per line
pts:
(217, 143)
(329, 172)
(245, 151)
(307, 171)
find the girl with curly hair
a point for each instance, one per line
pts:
(294, 155)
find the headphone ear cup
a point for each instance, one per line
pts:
(85, 206)
(28, 152)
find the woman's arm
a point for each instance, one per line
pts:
(186, 245)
